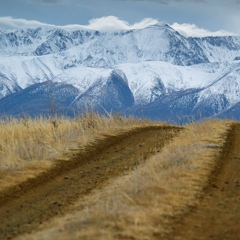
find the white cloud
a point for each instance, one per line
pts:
(13, 23)
(111, 23)
(191, 30)
(107, 23)
(145, 23)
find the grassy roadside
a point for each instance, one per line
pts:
(30, 146)
(145, 203)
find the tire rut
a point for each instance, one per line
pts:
(26, 206)
(217, 217)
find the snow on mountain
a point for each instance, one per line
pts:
(106, 49)
(153, 68)
(161, 77)
(220, 49)
(100, 49)
(111, 94)
(227, 83)
(21, 42)
(148, 80)
(25, 71)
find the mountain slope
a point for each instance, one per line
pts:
(153, 72)
(47, 99)
(111, 94)
(155, 43)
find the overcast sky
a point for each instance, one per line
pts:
(184, 15)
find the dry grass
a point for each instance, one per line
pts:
(26, 140)
(30, 146)
(145, 203)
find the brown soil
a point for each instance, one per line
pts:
(26, 206)
(218, 214)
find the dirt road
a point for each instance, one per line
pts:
(25, 207)
(218, 214)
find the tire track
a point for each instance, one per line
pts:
(24, 207)
(217, 217)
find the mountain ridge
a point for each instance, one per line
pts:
(150, 64)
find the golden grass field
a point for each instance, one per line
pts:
(26, 140)
(30, 146)
(143, 203)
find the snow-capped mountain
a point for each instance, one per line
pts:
(151, 72)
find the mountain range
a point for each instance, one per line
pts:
(152, 72)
